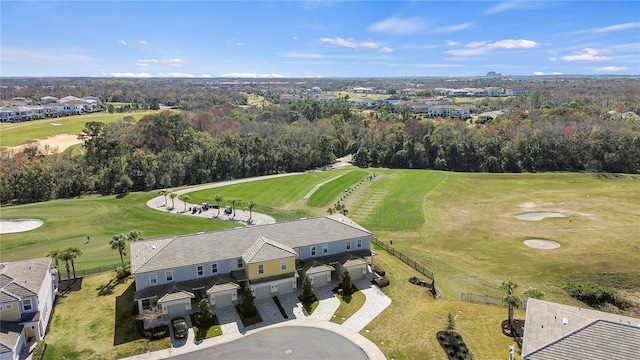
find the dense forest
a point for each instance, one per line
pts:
(217, 136)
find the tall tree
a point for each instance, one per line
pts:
(119, 242)
(235, 202)
(251, 206)
(218, 199)
(185, 200)
(74, 253)
(134, 235)
(55, 255)
(66, 257)
(512, 300)
(173, 197)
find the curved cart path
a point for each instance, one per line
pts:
(242, 216)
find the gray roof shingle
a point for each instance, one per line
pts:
(264, 249)
(154, 255)
(22, 278)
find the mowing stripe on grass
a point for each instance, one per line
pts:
(318, 187)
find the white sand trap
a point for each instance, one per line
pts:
(16, 226)
(537, 216)
(541, 244)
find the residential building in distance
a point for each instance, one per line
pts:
(173, 274)
(27, 294)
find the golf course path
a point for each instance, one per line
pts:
(177, 206)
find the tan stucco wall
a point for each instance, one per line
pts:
(271, 268)
(11, 315)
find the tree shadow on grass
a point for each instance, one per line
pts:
(125, 326)
(107, 289)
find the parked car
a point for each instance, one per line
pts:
(180, 329)
(228, 210)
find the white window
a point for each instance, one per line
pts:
(240, 263)
(325, 249)
(1, 307)
(26, 305)
(359, 243)
(153, 279)
(347, 245)
(260, 269)
(313, 251)
(214, 268)
(168, 275)
(200, 270)
(8, 307)
(283, 264)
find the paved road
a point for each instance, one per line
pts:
(291, 342)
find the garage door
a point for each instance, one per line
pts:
(320, 280)
(262, 292)
(285, 287)
(176, 310)
(223, 300)
(356, 272)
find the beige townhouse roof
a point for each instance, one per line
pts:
(188, 250)
(264, 249)
(21, 279)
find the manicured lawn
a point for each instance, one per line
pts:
(19, 133)
(327, 194)
(205, 332)
(348, 306)
(461, 226)
(68, 223)
(97, 322)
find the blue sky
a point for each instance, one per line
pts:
(318, 38)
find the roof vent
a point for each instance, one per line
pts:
(153, 247)
(565, 321)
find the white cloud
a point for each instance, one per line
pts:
(176, 75)
(49, 57)
(611, 68)
(475, 44)
(588, 54)
(538, 73)
(128, 74)
(399, 26)
(454, 28)
(302, 55)
(386, 50)
(480, 47)
(557, 73)
(452, 43)
(295, 38)
(624, 26)
(142, 42)
(169, 62)
(509, 5)
(251, 75)
(123, 43)
(514, 44)
(174, 62)
(350, 43)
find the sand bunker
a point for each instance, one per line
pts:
(16, 226)
(536, 216)
(541, 244)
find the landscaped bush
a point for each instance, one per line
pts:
(593, 295)
(38, 351)
(156, 333)
(379, 270)
(381, 282)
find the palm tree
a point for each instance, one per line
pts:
(251, 206)
(164, 193)
(134, 235)
(185, 199)
(119, 242)
(235, 202)
(74, 253)
(512, 300)
(331, 211)
(534, 293)
(218, 198)
(55, 254)
(65, 256)
(173, 196)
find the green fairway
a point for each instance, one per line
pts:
(12, 134)
(461, 226)
(68, 223)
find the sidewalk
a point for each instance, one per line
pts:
(232, 329)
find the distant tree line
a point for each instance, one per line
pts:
(225, 141)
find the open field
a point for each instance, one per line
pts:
(68, 223)
(106, 331)
(461, 226)
(13, 134)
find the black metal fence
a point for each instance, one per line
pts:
(481, 299)
(62, 271)
(407, 260)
